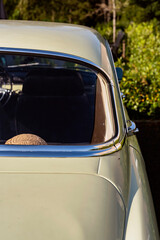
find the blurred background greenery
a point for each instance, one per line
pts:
(132, 28)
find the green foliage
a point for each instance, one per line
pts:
(86, 12)
(33, 10)
(10, 6)
(72, 11)
(150, 8)
(105, 30)
(82, 12)
(141, 81)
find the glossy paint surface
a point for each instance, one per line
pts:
(60, 206)
(140, 206)
(69, 39)
(82, 194)
(91, 192)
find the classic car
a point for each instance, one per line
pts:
(86, 178)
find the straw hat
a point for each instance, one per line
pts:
(26, 139)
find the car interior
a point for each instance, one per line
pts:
(53, 99)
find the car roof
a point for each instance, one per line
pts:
(76, 40)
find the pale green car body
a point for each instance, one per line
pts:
(91, 192)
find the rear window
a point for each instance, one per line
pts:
(60, 101)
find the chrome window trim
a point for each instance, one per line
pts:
(117, 85)
(105, 148)
(57, 55)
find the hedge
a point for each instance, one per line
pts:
(141, 80)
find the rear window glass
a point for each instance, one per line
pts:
(60, 101)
